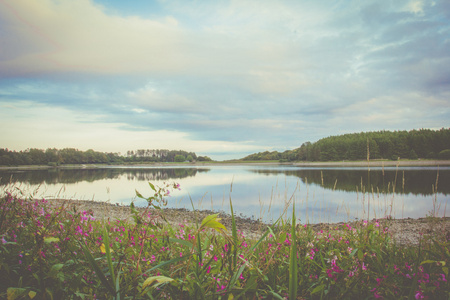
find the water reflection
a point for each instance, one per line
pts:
(69, 176)
(417, 181)
(321, 195)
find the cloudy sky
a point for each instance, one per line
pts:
(221, 78)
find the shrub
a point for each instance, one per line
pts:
(179, 158)
(444, 154)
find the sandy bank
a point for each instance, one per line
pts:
(373, 163)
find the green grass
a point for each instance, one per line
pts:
(59, 253)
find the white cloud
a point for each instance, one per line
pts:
(47, 127)
(226, 76)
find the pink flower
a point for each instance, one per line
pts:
(364, 267)
(79, 230)
(419, 295)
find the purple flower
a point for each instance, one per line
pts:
(419, 295)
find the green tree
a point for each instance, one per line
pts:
(204, 158)
(412, 154)
(444, 154)
(179, 158)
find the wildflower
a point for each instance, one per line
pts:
(375, 294)
(419, 295)
(364, 267)
(408, 266)
(287, 242)
(79, 230)
(379, 280)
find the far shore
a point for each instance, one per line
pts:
(372, 163)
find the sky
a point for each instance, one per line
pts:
(220, 78)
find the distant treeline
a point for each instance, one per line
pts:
(74, 156)
(414, 144)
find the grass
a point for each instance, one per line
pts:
(58, 253)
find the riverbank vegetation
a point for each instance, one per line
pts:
(53, 252)
(414, 144)
(67, 156)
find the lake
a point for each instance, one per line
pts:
(260, 192)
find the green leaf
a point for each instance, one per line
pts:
(159, 279)
(212, 221)
(32, 294)
(15, 293)
(168, 262)
(432, 262)
(49, 240)
(318, 289)
(97, 269)
(360, 254)
(182, 242)
(152, 186)
(233, 235)
(108, 254)
(55, 269)
(209, 218)
(277, 296)
(293, 281)
(139, 195)
(235, 276)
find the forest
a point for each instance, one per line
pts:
(55, 157)
(414, 144)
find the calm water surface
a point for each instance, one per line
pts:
(321, 194)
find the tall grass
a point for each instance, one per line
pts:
(59, 253)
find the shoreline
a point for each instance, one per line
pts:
(349, 164)
(407, 231)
